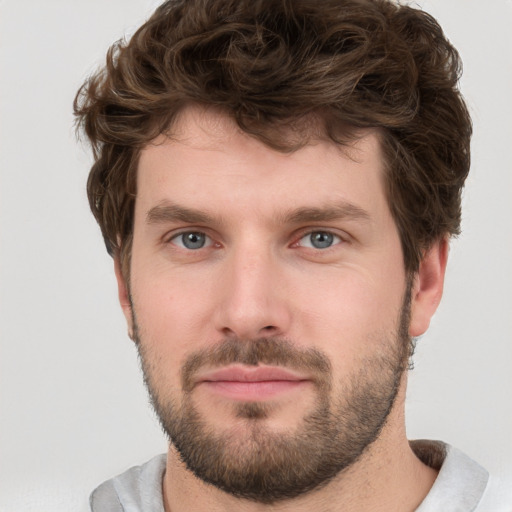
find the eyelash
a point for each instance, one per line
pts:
(190, 232)
(336, 239)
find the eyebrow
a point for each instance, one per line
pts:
(172, 212)
(332, 212)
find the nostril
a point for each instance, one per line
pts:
(228, 332)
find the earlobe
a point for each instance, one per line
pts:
(124, 295)
(427, 287)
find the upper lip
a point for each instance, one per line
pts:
(250, 374)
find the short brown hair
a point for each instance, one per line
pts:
(271, 65)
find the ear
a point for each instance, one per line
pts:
(124, 296)
(428, 287)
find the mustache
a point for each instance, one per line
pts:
(268, 351)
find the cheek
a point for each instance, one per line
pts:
(355, 297)
(172, 311)
(350, 314)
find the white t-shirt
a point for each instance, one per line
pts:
(462, 485)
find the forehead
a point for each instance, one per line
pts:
(209, 162)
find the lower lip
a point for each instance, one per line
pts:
(253, 391)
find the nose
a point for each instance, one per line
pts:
(252, 301)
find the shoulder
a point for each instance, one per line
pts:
(498, 495)
(138, 488)
(462, 483)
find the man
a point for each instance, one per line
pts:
(277, 182)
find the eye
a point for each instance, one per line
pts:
(319, 240)
(192, 240)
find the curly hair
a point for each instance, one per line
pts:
(271, 65)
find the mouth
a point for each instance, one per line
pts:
(251, 383)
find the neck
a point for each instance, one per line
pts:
(387, 477)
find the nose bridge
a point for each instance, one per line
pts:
(251, 305)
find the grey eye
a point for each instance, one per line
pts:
(319, 240)
(192, 240)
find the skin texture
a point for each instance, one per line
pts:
(259, 277)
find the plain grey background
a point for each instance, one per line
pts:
(73, 408)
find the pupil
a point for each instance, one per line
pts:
(321, 240)
(193, 240)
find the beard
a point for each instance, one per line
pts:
(264, 466)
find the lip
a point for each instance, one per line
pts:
(251, 383)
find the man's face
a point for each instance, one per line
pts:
(269, 303)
